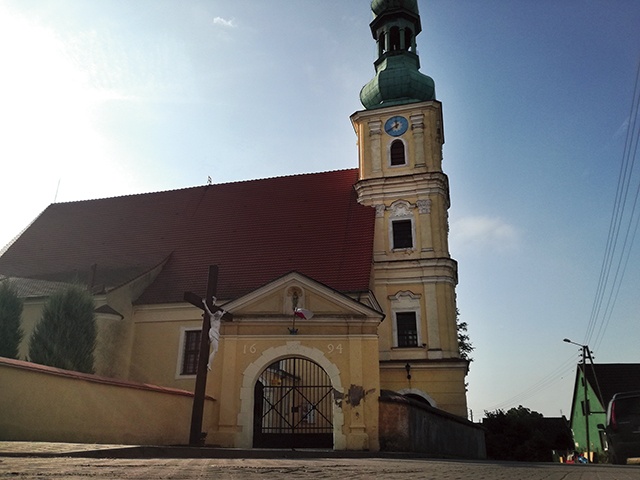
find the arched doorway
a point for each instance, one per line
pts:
(293, 406)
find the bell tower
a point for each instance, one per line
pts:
(400, 136)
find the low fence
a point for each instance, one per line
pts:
(40, 403)
(408, 425)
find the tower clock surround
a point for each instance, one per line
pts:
(396, 125)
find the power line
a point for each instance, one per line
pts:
(545, 382)
(601, 312)
(600, 317)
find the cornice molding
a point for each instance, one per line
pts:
(386, 190)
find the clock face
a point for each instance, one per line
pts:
(396, 126)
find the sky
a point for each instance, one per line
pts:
(99, 99)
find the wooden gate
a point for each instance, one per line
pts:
(293, 406)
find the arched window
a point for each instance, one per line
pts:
(394, 36)
(397, 153)
(382, 46)
(408, 39)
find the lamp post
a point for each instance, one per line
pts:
(585, 352)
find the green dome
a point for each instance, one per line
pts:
(397, 82)
(379, 6)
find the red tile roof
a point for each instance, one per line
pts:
(255, 231)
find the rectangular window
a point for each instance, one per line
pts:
(191, 352)
(402, 237)
(407, 329)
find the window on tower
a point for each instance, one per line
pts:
(406, 329)
(396, 153)
(394, 39)
(382, 47)
(408, 39)
(402, 234)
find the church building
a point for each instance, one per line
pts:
(362, 253)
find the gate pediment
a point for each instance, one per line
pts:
(279, 298)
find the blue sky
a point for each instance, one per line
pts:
(119, 97)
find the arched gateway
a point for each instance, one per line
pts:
(293, 406)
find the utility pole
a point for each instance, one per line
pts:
(586, 398)
(585, 352)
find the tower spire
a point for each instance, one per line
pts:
(398, 81)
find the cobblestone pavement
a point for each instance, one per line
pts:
(52, 448)
(280, 468)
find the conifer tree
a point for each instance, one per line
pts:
(65, 337)
(10, 313)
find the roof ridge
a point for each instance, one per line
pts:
(124, 195)
(140, 194)
(290, 175)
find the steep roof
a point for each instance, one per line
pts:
(612, 378)
(254, 231)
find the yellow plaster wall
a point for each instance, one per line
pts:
(442, 297)
(445, 381)
(113, 346)
(45, 404)
(157, 339)
(421, 144)
(352, 361)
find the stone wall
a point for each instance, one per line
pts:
(407, 425)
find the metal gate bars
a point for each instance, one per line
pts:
(293, 406)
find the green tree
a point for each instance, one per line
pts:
(10, 313)
(65, 337)
(464, 342)
(520, 434)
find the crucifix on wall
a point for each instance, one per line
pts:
(209, 337)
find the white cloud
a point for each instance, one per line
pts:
(484, 232)
(224, 22)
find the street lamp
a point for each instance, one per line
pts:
(585, 352)
(407, 367)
